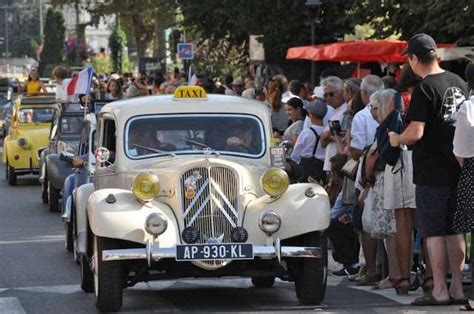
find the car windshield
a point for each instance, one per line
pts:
(240, 135)
(35, 115)
(71, 124)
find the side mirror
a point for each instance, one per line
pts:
(102, 154)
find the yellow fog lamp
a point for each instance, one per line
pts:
(275, 181)
(146, 186)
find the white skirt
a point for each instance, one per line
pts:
(399, 189)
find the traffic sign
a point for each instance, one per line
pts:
(185, 51)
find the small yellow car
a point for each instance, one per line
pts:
(28, 136)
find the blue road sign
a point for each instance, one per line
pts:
(185, 51)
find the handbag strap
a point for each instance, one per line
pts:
(317, 141)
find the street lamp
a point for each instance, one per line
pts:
(312, 5)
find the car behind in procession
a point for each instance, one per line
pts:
(184, 187)
(28, 136)
(64, 136)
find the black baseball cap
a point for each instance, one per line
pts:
(420, 44)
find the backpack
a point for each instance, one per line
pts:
(392, 123)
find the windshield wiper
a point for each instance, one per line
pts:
(208, 149)
(154, 150)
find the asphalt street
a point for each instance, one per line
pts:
(39, 276)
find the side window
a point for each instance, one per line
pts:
(109, 138)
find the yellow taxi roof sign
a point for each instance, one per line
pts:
(190, 92)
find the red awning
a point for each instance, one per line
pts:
(354, 51)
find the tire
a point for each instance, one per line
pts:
(76, 255)
(263, 282)
(108, 279)
(44, 190)
(87, 278)
(11, 175)
(54, 196)
(311, 276)
(68, 239)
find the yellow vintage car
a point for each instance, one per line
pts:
(28, 136)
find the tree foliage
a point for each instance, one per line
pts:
(445, 20)
(23, 28)
(53, 51)
(117, 43)
(284, 23)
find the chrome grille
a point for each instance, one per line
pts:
(213, 210)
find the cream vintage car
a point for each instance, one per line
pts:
(184, 186)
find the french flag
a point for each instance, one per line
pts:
(80, 83)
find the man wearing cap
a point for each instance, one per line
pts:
(432, 111)
(308, 144)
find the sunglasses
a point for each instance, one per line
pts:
(330, 94)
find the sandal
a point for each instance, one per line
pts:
(403, 286)
(368, 280)
(428, 300)
(386, 283)
(427, 285)
(463, 301)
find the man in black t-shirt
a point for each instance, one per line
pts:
(433, 106)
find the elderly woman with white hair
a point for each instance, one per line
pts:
(399, 194)
(377, 219)
(394, 211)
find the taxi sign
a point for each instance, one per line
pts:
(190, 92)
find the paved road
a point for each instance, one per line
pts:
(38, 275)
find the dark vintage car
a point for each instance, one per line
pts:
(64, 137)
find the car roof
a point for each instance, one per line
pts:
(168, 104)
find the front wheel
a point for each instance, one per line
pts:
(68, 239)
(108, 282)
(263, 282)
(44, 191)
(11, 175)
(53, 195)
(87, 279)
(311, 276)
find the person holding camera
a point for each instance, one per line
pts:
(308, 151)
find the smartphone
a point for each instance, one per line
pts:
(335, 127)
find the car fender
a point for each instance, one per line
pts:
(57, 170)
(303, 208)
(81, 196)
(125, 218)
(42, 164)
(69, 184)
(67, 209)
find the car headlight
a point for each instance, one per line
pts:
(22, 142)
(269, 222)
(146, 186)
(156, 224)
(275, 181)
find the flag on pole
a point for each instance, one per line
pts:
(80, 83)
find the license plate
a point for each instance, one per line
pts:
(232, 251)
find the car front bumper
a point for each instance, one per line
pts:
(151, 253)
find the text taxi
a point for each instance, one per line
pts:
(184, 187)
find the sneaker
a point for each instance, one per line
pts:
(346, 271)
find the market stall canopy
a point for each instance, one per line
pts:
(354, 51)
